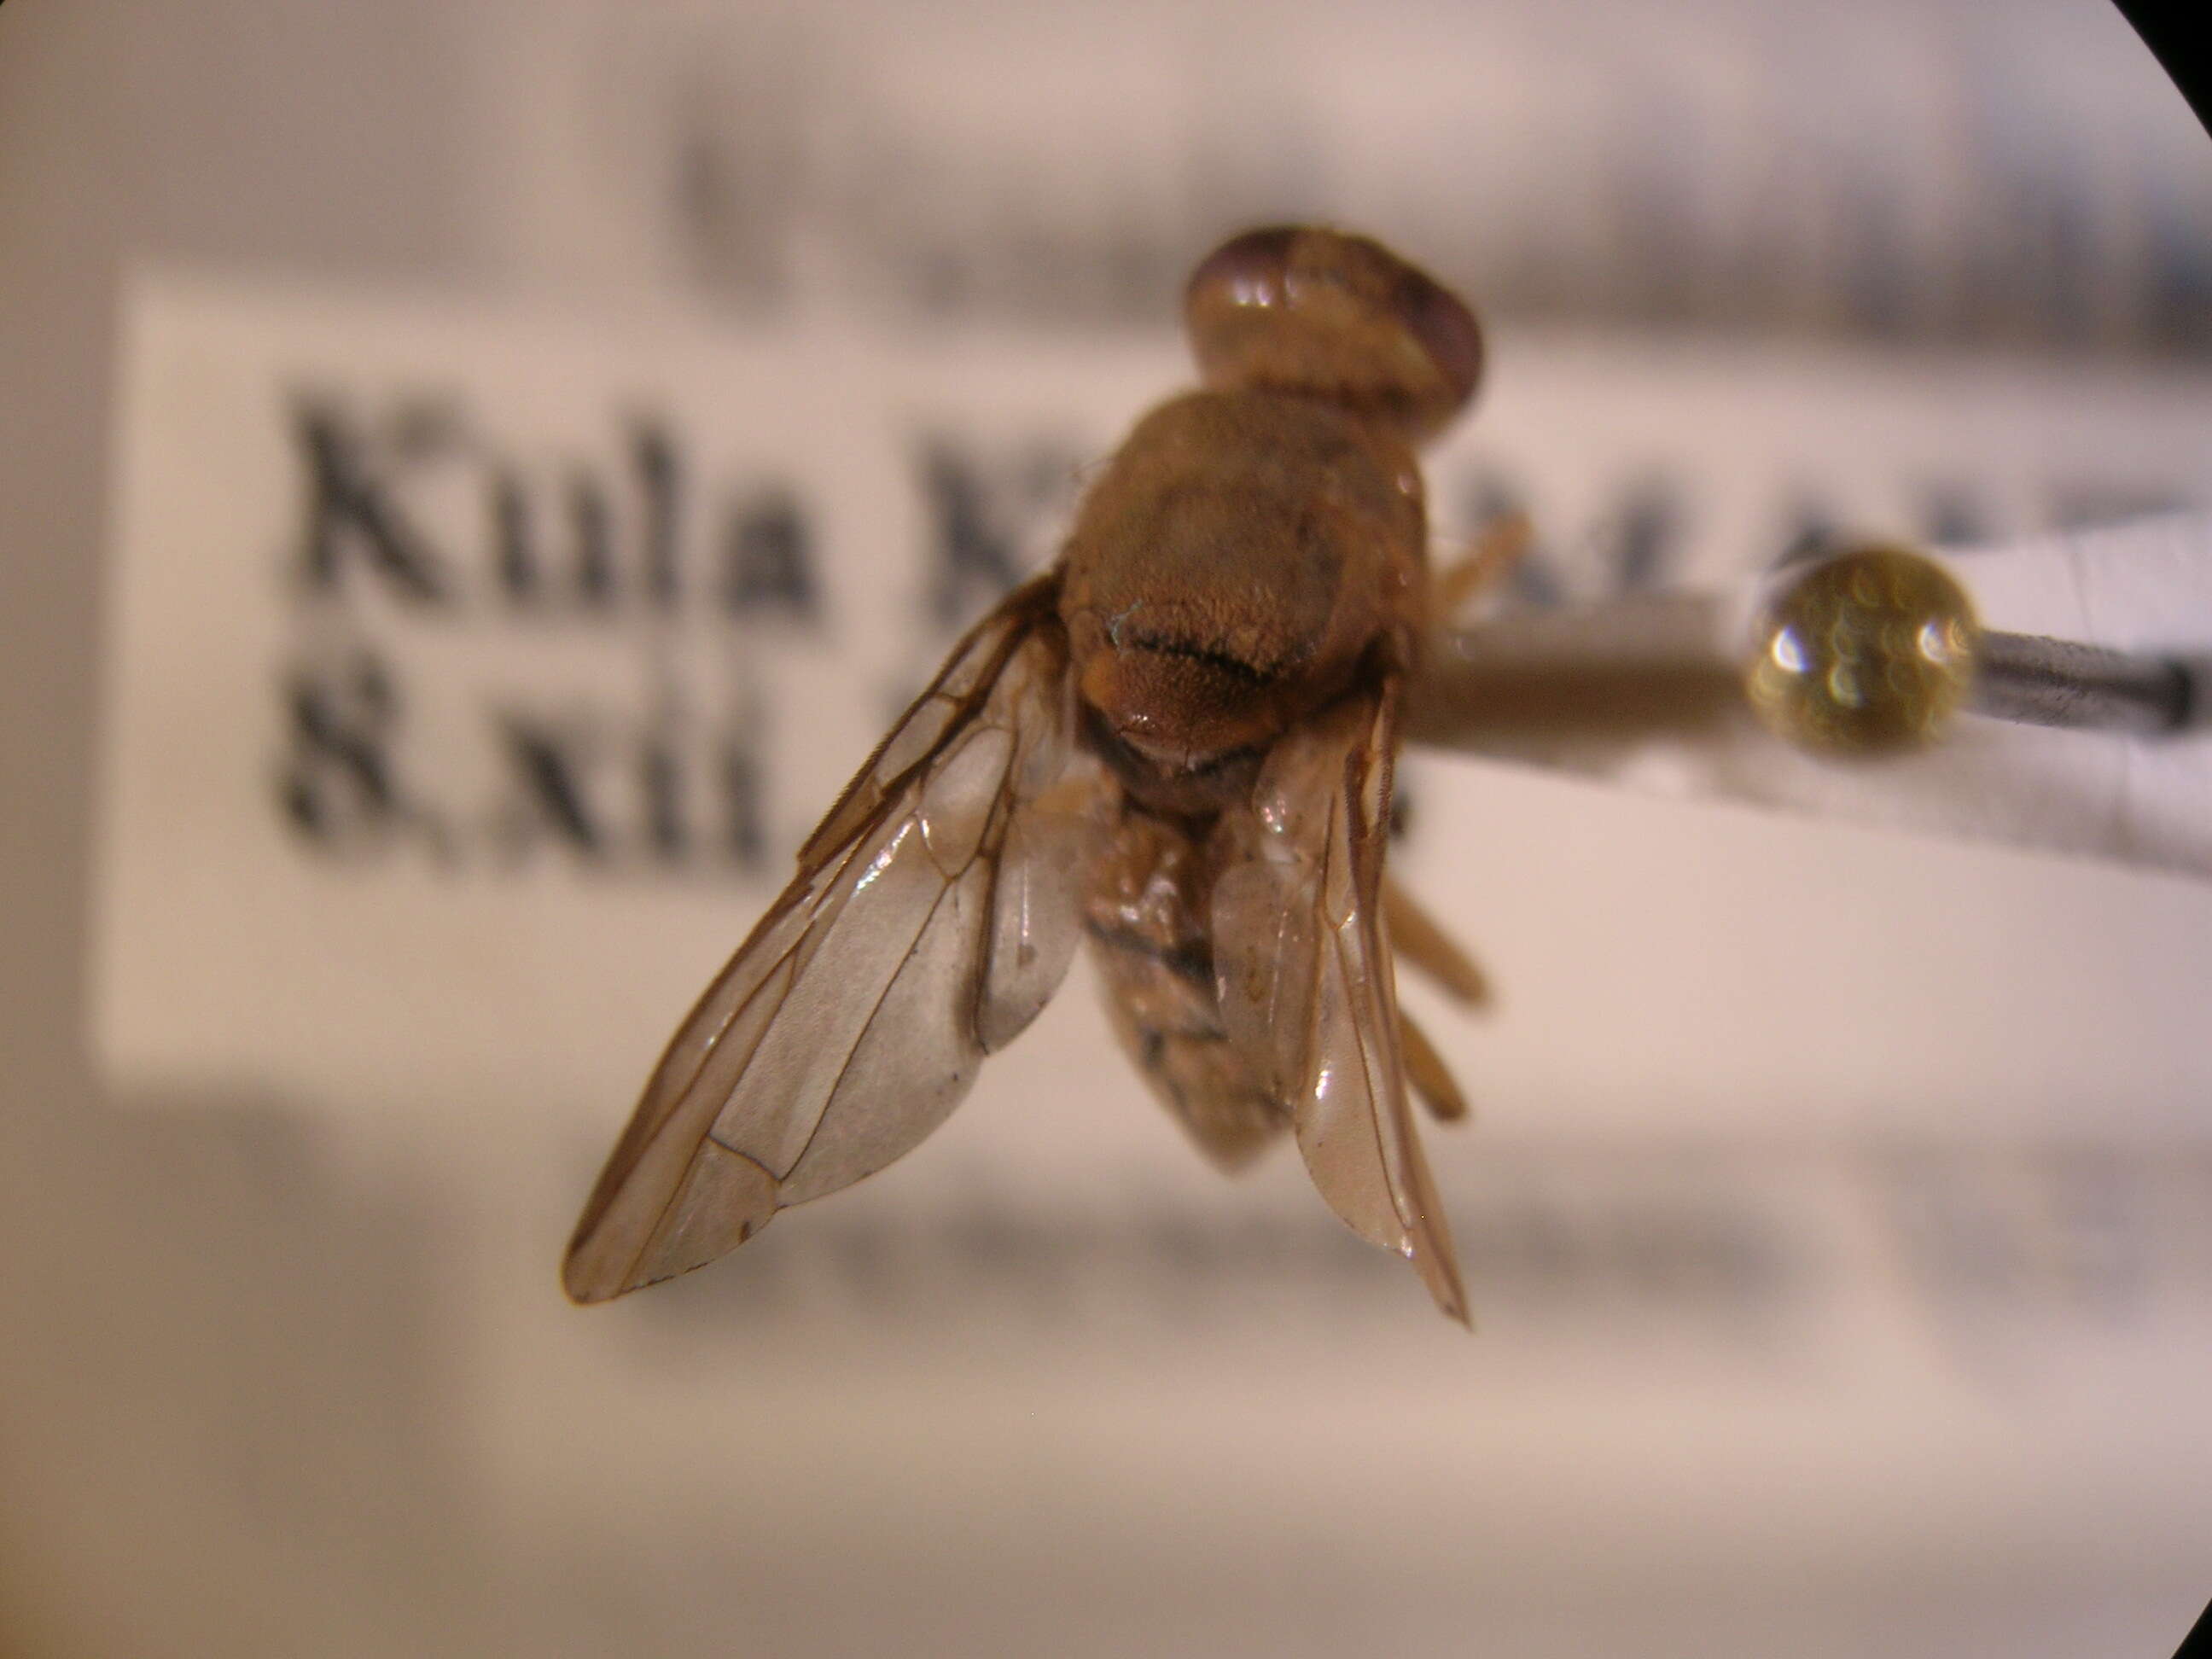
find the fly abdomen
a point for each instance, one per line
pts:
(1146, 915)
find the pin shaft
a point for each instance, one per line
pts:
(2044, 682)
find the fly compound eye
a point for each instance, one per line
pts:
(1251, 269)
(1291, 308)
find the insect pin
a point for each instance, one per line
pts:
(1178, 741)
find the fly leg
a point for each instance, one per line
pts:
(1497, 548)
(1425, 1070)
(1417, 938)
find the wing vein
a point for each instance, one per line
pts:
(828, 874)
(875, 1012)
(1384, 1086)
(898, 1022)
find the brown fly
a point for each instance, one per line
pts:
(1177, 741)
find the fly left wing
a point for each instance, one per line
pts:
(934, 912)
(1303, 966)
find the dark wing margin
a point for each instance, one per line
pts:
(1304, 969)
(934, 911)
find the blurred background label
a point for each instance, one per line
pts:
(475, 677)
(606, 414)
(1899, 170)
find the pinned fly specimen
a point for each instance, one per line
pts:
(1177, 741)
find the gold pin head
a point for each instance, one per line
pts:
(1869, 652)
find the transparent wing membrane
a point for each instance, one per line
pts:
(1303, 973)
(933, 912)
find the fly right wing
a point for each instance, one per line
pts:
(1303, 967)
(934, 911)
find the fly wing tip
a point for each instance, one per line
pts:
(584, 1277)
(1451, 1302)
(723, 1199)
(1440, 1272)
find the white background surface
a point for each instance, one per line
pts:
(1837, 1211)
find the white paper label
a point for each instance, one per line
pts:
(472, 678)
